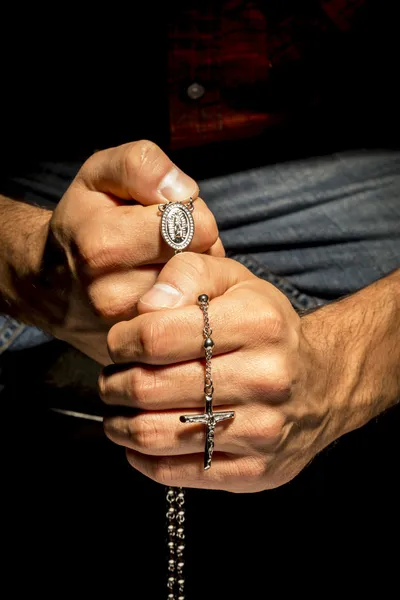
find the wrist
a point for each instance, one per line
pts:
(355, 344)
(24, 232)
(333, 375)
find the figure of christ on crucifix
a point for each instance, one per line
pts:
(210, 420)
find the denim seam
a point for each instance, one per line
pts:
(299, 300)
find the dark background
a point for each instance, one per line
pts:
(75, 80)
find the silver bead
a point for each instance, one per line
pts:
(171, 513)
(172, 530)
(179, 568)
(171, 597)
(171, 583)
(170, 496)
(208, 343)
(181, 584)
(180, 533)
(181, 597)
(180, 499)
(171, 565)
(203, 299)
(179, 550)
(171, 547)
(180, 517)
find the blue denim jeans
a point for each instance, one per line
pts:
(317, 229)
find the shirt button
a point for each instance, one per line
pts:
(195, 91)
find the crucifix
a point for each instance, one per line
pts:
(210, 420)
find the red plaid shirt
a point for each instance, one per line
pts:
(239, 67)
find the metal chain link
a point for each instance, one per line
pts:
(189, 204)
(207, 333)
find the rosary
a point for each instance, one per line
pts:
(177, 230)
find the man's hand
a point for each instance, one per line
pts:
(295, 384)
(82, 268)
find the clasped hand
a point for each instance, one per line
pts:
(263, 367)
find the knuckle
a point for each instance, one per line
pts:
(137, 155)
(92, 252)
(112, 429)
(191, 266)
(206, 227)
(115, 349)
(274, 325)
(148, 339)
(162, 471)
(258, 384)
(108, 303)
(143, 387)
(145, 433)
(265, 432)
(271, 428)
(277, 327)
(273, 381)
(108, 428)
(106, 309)
(281, 387)
(257, 469)
(90, 165)
(269, 322)
(153, 340)
(247, 475)
(218, 249)
(102, 387)
(279, 381)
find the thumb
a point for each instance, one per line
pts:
(188, 275)
(138, 171)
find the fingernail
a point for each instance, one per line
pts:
(162, 295)
(176, 186)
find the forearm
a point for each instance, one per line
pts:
(23, 234)
(358, 341)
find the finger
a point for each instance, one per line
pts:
(163, 434)
(188, 275)
(217, 249)
(230, 473)
(129, 236)
(172, 336)
(238, 378)
(114, 296)
(138, 171)
(174, 386)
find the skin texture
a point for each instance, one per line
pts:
(78, 270)
(296, 384)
